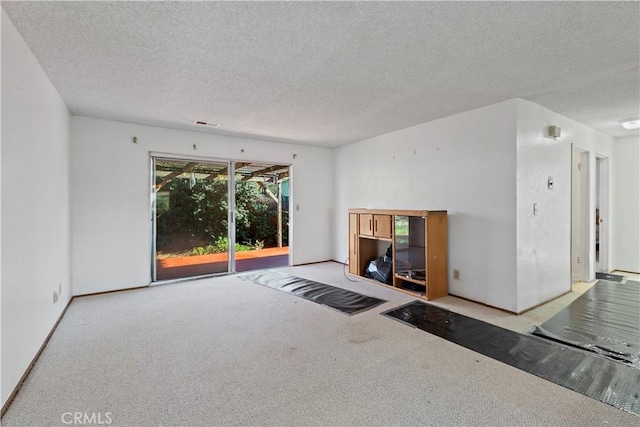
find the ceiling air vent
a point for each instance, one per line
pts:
(211, 125)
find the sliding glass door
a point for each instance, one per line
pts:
(262, 216)
(191, 218)
(193, 231)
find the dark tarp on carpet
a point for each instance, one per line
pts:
(605, 320)
(337, 298)
(594, 376)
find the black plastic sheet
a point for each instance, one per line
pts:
(594, 376)
(609, 277)
(381, 268)
(333, 297)
(605, 320)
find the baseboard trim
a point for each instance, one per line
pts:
(18, 386)
(110, 292)
(486, 305)
(626, 271)
(517, 313)
(544, 302)
(311, 263)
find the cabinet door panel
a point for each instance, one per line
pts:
(382, 226)
(437, 268)
(366, 224)
(353, 244)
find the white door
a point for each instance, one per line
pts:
(579, 216)
(602, 222)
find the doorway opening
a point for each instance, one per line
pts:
(215, 217)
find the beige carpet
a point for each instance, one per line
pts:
(229, 352)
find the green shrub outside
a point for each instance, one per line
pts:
(192, 219)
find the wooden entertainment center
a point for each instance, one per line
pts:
(418, 241)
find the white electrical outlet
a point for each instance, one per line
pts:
(55, 297)
(456, 274)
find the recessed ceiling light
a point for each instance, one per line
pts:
(203, 123)
(630, 124)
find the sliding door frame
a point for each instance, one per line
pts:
(231, 198)
(230, 216)
(231, 219)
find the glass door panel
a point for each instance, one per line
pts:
(262, 216)
(409, 246)
(191, 218)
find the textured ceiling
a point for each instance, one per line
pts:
(327, 73)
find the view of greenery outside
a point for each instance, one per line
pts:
(191, 218)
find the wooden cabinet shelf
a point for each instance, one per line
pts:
(384, 239)
(419, 247)
(410, 279)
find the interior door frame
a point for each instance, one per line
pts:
(602, 182)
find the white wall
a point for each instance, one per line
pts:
(35, 206)
(2, 393)
(465, 164)
(544, 239)
(111, 230)
(625, 175)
